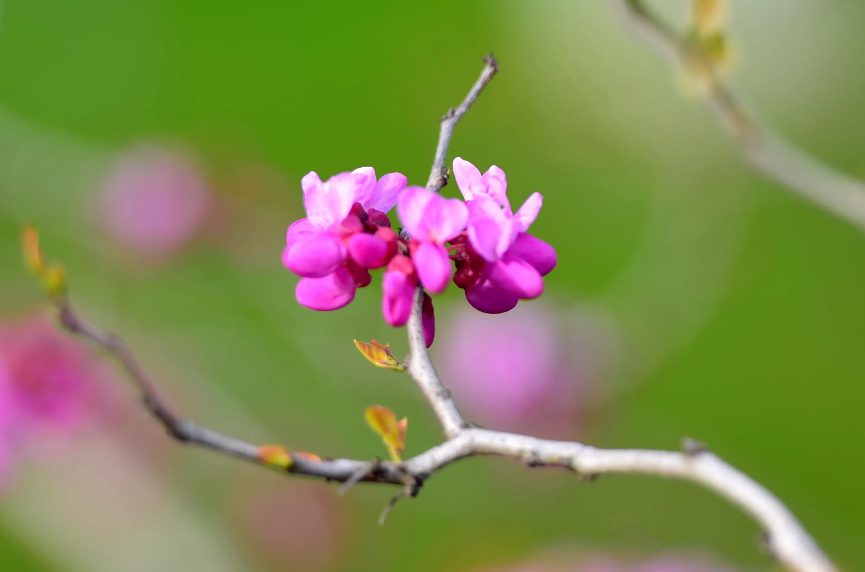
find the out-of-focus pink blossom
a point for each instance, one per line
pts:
(346, 233)
(46, 386)
(431, 221)
(294, 527)
(500, 263)
(154, 201)
(508, 372)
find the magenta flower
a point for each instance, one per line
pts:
(346, 233)
(431, 221)
(499, 263)
(154, 201)
(399, 284)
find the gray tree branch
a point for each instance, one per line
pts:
(770, 154)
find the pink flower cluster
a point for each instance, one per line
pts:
(481, 243)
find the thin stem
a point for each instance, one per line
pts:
(439, 175)
(768, 153)
(422, 370)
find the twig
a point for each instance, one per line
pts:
(438, 177)
(358, 476)
(768, 153)
(422, 370)
(786, 538)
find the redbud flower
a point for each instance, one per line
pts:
(431, 220)
(399, 284)
(346, 233)
(514, 261)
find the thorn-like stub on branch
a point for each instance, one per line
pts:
(692, 447)
(445, 393)
(411, 489)
(370, 469)
(68, 319)
(532, 460)
(449, 115)
(764, 543)
(491, 61)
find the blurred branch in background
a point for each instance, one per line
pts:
(768, 153)
(785, 537)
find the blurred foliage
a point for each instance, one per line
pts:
(737, 308)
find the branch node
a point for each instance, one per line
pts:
(764, 543)
(693, 448)
(491, 61)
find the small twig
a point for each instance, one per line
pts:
(438, 176)
(408, 490)
(358, 476)
(422, 370)
(770, 154)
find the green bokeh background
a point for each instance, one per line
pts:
(738, 307)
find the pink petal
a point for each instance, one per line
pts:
(411, 208)
(386, 193)
(487, 298)
(297, 230)
(429, 217)
(517, 277)
(310, 182)
(534, 251)
(497, 187)
(484, 207)
(314, 255)
(445, 218)
(328, 204)
(428, 320)
(364, 182)
(529, 211)
(330, 292)
(397, 300)
(368, 250)
(468, 178)
(484, 236)
(433, 266)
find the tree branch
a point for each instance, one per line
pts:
(438, 177)
(788, 541)
(768, 153)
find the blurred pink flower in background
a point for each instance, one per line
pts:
(46, 387)
(293, 526)
(508, 372)
(154, 201)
